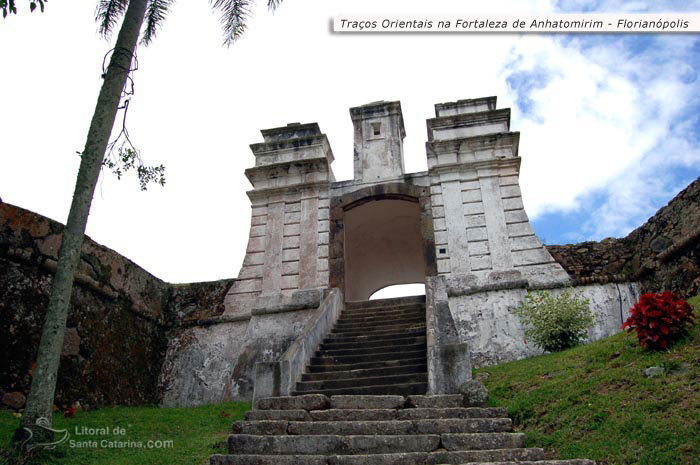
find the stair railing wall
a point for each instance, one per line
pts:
(449, 359)
(273, 379)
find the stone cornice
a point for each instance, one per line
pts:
(257, 194)
(468, 120)
(484, 141)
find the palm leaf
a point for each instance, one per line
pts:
(155, 15)
(108, 13)
(234, 14)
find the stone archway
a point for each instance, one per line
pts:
(381, 235)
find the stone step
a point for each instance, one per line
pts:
(384, 316)
(392, 321)
(375, 331)
(384, 312)
(371, 350)
(436, 401)
(482, 441)
(346, 359)
(363, 325)
(379, 303)
(392, 427)
(367, 401)
(275, 415)
(538, 462)
(391, 389)
(387, 335)
(529, 456)
(368, 344)
(365, 365)
(440, 457)
(357, 382)
(302, 402)
(371, 372)
(387, 414)
(331, 444)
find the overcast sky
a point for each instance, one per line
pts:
(609, 123)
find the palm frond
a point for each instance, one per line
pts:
(155, 15)
(273, 4)
(108, 13)
(234, 14)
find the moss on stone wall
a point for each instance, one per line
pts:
(120, 320)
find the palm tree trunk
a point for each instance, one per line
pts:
(43, 387)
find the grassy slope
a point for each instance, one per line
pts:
(592, 401)
(196, 434)
(585, 402)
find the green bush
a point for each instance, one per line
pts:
(555, 323)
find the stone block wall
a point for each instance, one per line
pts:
(288, 242)
(662, 254)
(118, 325)
(486, 322)
(481, 227)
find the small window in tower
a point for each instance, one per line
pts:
(376, 128)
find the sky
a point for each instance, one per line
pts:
(610, 124)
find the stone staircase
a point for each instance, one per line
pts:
(376, 347)
(362, 402)
(377, 430)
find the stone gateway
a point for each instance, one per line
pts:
(297, 319)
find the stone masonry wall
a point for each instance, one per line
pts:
(118, 324)
(662, 254)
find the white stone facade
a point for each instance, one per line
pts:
(481, 228)
(460, 227)
(288, 243)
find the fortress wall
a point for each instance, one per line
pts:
(485, 320)
(118, 323)
(662, 254)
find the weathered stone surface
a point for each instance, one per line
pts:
(485, 321)
(474, 412)
(354, 415)
(305, 402)
(483, 441)
(653, 372)
(268, 460)
(436, 458)
(366, 402)
(437, 401)
(475, 393)
(264, 427)
(330, 444)
(396, 427)
(539, 462)
(200, 363)
(290, 415)
(117, 325)
(71, 342)
(14, 400)
(432, 458)
(663, 253)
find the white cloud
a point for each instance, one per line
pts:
(605, 119)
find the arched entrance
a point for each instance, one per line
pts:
(380, 236)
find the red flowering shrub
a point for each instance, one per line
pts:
(659, 319)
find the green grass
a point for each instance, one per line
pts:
(587, 402)
(592, 401)
(196, 433)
